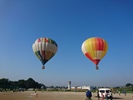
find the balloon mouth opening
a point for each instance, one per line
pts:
(43, 67)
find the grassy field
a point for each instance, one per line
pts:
(55, 96)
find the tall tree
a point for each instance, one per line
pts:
(129, 84)
(21, 84)
(30, 83)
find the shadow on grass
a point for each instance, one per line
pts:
(110, 98)
(117, 98)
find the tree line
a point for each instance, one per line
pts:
(29, 83)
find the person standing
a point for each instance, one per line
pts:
(88, 95)
(124, 92)
(106, 96)
(102, 96)
(111, 97)
(119, 92)
(98, 95)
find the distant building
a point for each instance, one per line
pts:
(31, 89)
(81, 87)
(69, 84)
(88, 87)
(50, 89)
(84, 87)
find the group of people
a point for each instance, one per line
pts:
(89, 95)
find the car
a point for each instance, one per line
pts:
(103, 92)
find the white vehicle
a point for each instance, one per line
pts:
(104, 91)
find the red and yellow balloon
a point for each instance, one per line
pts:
(95, 49)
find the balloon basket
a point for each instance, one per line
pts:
(97, 67)
(43, 67)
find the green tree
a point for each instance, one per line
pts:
(129, 85)
(4, 83)
(22, 84)
(30, 83)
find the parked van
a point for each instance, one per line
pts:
(104, 91)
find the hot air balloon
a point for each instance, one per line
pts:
(44, 49)
(95, 49)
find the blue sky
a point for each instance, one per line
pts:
(69, 23)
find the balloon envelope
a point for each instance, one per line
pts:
(44, 49)
(95, 49)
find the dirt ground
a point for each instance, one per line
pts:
(28, 95)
